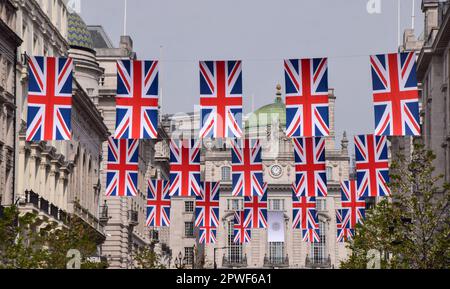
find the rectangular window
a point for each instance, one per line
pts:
(189, 206)
(276, 252)
(189, 229)
(321, 204)
(318, 250)
(276, 205)
(235, 204)
(234, 255)
(189, 255)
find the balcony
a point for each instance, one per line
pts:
(276, 262)
(234, 261)
(133, 219)
(43, 206)
(318, 263)
(103, 214)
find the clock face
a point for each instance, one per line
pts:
(276, 171)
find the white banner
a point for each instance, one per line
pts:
(276, 226)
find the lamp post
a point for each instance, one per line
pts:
(179, 261)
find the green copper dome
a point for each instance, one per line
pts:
(78, 33)
(268, 114)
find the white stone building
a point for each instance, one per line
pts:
(267, 123)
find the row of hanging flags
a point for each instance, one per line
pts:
(396, 107)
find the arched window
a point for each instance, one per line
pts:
(226, 174)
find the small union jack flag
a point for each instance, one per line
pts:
(185, 168)
(207, 212)
(247, 168)
(221, 99)
(49, 99)
(305, 217)
(343, 232)
(306, 97)
(242, 234)
(158, 204)
(310, 169)
(372, 166)
(395, 94)
(255, 208)
(122, 167)
(355, 204)
(137, 99)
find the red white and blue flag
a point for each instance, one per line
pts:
(255, 208)
(158, 204)
(395, 94)
(372, 166)
(185, 168)
(242, 234)
(343, 231)
(207, 212)
(306, 97)
(247, 168)
(310, 168)
(221, 99)
(122, 167)
(49, 99)
(304, 217)
(351, 201)
(137, 99)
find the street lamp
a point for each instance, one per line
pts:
(180, 261)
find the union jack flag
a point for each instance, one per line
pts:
(49, 98)
(306, 97)
(395, 94)
(122, 167)
(343, 232)
(351, 201)
(137, 99)
(255, 208)
(305, 217)
(221, 99)
(207, 212)
(372, 166)
(310, 169)
(185, 168)
(242, 234)
(158, 204)
(247, 168)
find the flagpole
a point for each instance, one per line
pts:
(413, 14)
(125, 18)
(161, 47)
(398, 23)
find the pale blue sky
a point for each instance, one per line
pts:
(261, 33)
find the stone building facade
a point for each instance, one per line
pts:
(433, 71)
(57, 178)
(267, 123)
(126, 229)
(9, 41)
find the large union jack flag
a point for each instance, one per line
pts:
(255, 208)
(137, 99)
(395, 94)
(310, 168)
(372, 166)
(306, 97)
(185, 168)
(247, 168)
(242, 234)
(221, 99)
(122, 167)
(351, 201)
(49, 98)
(304, 217)
(343, 231)
(158, 204)
(207, 212)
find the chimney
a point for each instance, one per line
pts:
(431, 10)
(126, 43)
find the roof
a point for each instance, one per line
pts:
(78, 34)
(99, 37)
(269, 114)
